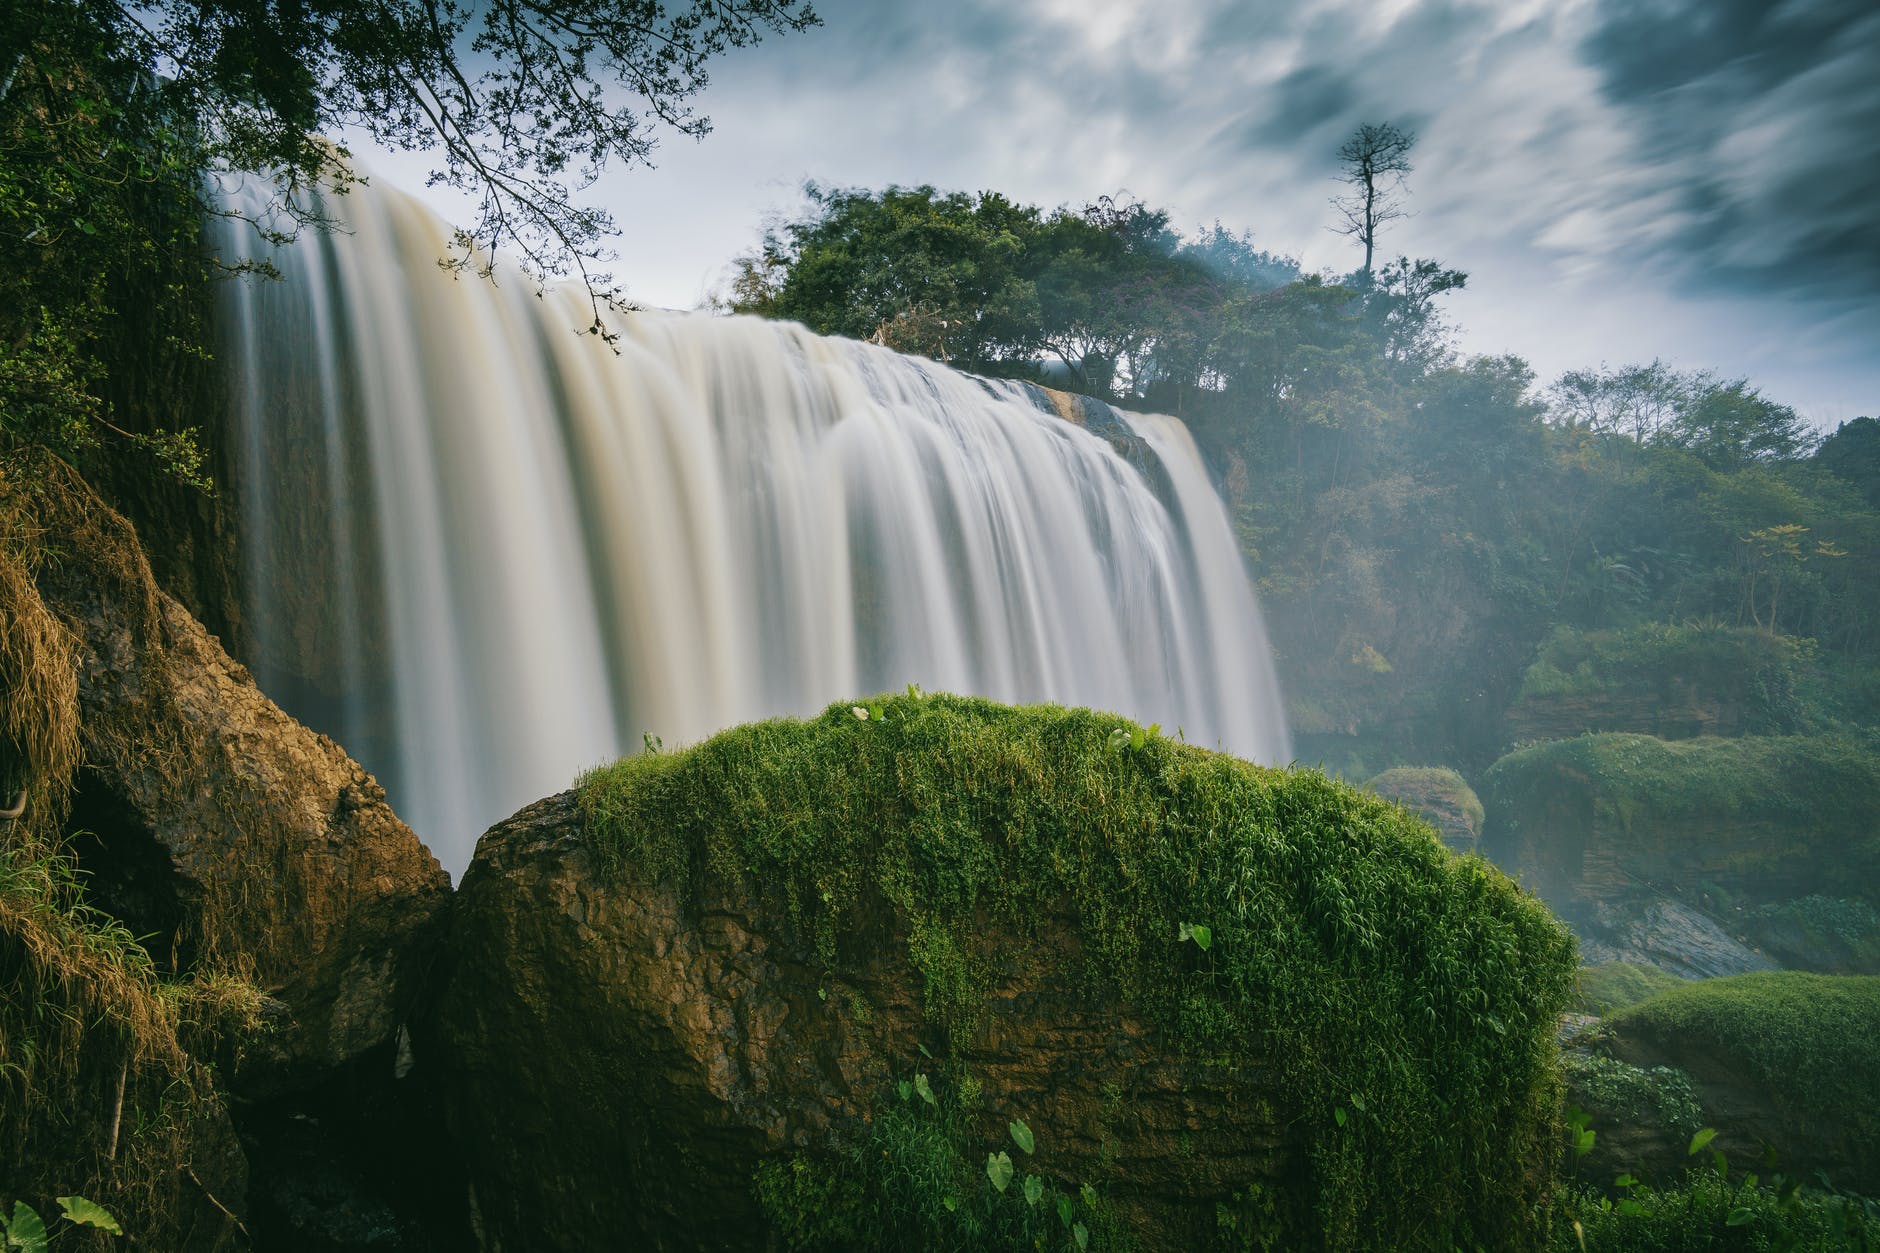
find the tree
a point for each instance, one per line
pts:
(943, 275)
(115, 117)
(1638, 401)
(1732, 425)
(1374, 161)
(1852, 453)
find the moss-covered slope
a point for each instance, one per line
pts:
(1407, 997)
(1762, 818)
(1665, 679)
(1782, 1057)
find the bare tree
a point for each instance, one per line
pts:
(1375, 159)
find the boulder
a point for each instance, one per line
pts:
(211, 823)
(718, 998)
(1439, 796)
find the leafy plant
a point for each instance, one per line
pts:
(911, 1181)
(26, 1230)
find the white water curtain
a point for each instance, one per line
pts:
(504, 550)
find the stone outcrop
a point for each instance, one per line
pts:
(1662, 851)
(1783, 1061)
(222, 829)
(1439, 796)
(590, 1031)
(705, 967)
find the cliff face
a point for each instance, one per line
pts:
(707, 997)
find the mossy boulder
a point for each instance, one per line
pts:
(1223, 997)
(1723, 825)
(1672, 681)
(1784, 1059)
(1439, 796)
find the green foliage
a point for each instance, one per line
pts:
(1120, 300)
(1656, 663)
(1797, 807)
(1829, 934)
(26, 1230)
(1811, 1042)
(1630, 1096)
(915, 1179)
(1347, 947)
(1852, 454)
(1710, 1214)
(99, 222)
(118, 123)
(1616, 985)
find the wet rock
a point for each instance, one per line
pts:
(1670, 934)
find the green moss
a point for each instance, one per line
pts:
(1611, 986)
(1759, 671)
(1436, 793)
(1763, 811)
(1812, 1042)
(1349, 948)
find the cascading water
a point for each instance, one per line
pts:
(486, 551)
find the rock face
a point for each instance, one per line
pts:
(222, 828)
(606, 1028)
(627, 1040)
(1667, 933)
(1605, 819)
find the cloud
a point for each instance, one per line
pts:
(1762, 123)
(1712, 162)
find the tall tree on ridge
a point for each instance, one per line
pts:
(1374, 161)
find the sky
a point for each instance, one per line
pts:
(1697, 180)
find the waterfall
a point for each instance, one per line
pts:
(486, 551)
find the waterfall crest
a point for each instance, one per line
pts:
(485, 551)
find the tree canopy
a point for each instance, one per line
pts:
(114, 118)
